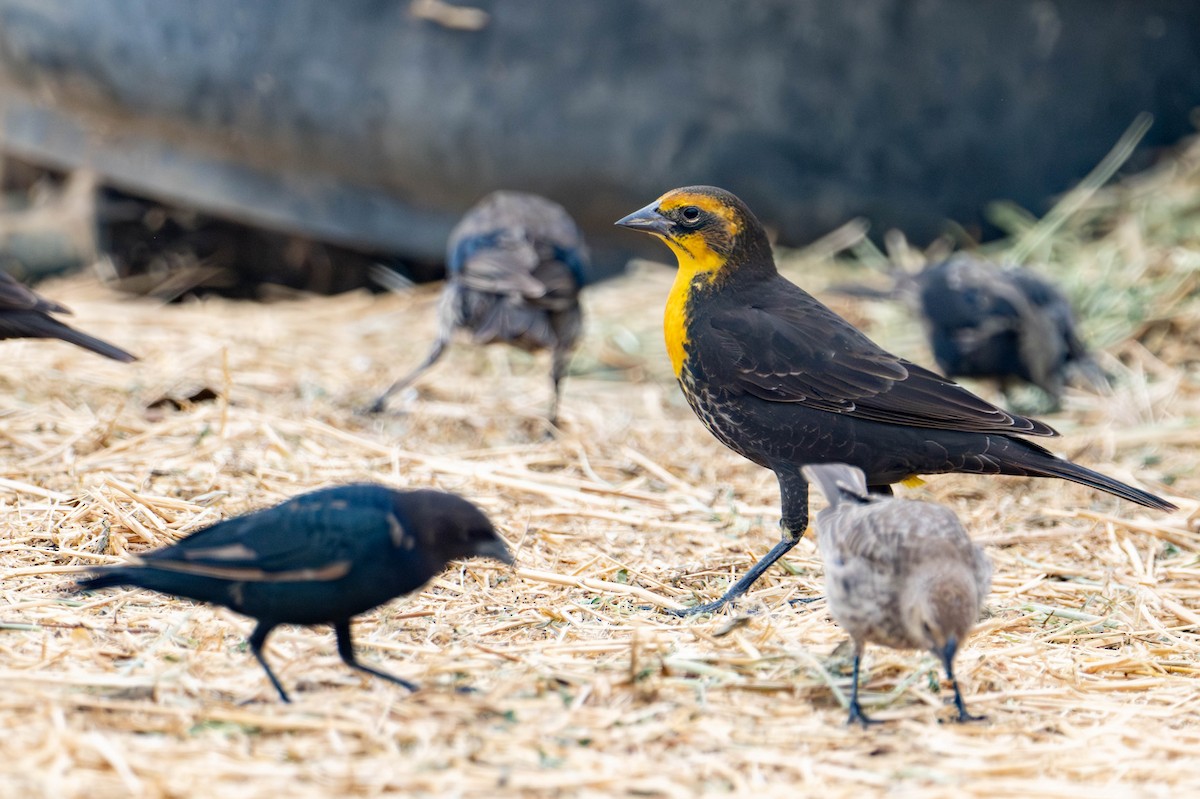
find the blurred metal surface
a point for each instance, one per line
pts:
(363, 124)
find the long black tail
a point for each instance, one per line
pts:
(107, 578)
(1025, 458)
(81, 339)
(32, 324)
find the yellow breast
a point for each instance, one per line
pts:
(675, 320)
(696, 259)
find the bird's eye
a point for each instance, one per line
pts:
(690, 213)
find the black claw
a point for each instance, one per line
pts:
(963, 715)
(695, 610)
(856, 715)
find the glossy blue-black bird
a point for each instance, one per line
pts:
(319, 558)
(514, 266)
(26, 314)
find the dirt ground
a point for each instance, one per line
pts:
(561, 677)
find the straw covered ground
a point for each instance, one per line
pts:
(1085, 663)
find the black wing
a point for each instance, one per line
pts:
(314, 536)
(787, 347)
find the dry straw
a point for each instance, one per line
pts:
(563, 677)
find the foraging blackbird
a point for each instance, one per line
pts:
(514, 265)
(1003, 323)
(783, 381)
(25, 314)
(319, 558)
(898, 572)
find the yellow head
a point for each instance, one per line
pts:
(714, 236)
(710, 231)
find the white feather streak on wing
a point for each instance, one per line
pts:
(328, 573)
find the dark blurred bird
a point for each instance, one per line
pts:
(514, 267)
(783, 381)
(26, 314)
(319, 558)
(993, 322)
(897, 572)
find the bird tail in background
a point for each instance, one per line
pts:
(45, 327)
(838, 481)
(499, 319)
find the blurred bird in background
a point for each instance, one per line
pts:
(319, 558)
(26, 314)
(898, 572)
(993, 322)
(514, 266)
(1007, 324)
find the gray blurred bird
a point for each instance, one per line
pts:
(26, 314)
(514, 266)
(898, 572)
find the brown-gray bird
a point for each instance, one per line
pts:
(514, 267)
(26, 314)
(898, 572)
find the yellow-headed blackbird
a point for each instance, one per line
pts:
(319, 558)
(782, 380)
(1007, 324)
(514, 267)
(26, 314)
(898, 572)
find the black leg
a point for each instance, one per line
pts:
(856, 713)
(793, 491)
(439, 347)
(560, 358)
(346, 649)
(257, 639)
(884, 490)
(742, 585)
(947, 656)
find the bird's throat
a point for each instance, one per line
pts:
(699, 266)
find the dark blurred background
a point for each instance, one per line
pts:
(295, 142)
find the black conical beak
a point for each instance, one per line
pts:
(647, 220)
(494, 549)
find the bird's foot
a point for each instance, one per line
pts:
(707, 607)
(376, 407)
(857, 716)
(963, 716)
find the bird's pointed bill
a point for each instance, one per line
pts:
(648, 220)
(494, 549)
